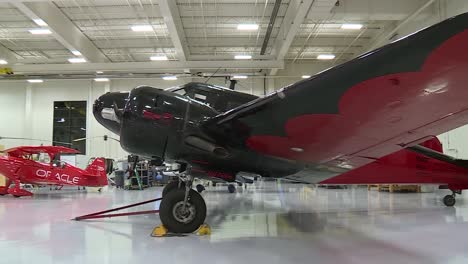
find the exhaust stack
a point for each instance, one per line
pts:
(206, 146)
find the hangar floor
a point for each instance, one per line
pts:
(267, 223)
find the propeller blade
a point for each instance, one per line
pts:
(34, 139)
(105, 137)
(118, 112)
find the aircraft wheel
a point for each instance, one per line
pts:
(178, 218)
(231, 188)
(239, 183)
(200, 188)
(449, 200)
(172, 186)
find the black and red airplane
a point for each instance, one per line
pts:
(358, 123)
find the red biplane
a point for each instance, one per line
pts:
(42, 165)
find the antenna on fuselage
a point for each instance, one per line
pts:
(212, 75)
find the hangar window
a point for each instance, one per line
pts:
(70, 124)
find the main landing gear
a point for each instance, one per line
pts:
(16, 191)
(182, 209)
(449, 200)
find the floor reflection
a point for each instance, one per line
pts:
(267, 221)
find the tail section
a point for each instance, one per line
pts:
(98, 169)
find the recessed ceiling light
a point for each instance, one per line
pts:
(40, 31)
(142, 28)
(239, 77)
(351, 26)
(159, 58)
(169, 78)
(242, 57)
(3, 62)
(76, 53)
(35, 81)
(247, 27)
(77, 60)
(40, 22)
(99, 72)
(325, 57)
(305, 76)
(101, 79)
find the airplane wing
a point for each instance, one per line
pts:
(350, 115)
(25, 150)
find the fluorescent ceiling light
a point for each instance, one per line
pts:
(170, 78)
(101, 79)
(351, 26)
(239, 77)
(325, 57)
(247, 27)
(35, 81)
(40, 31)
(3, 62)
(158, 58)
(305, 76)
(99, 72)
(76, 60)
(242, 57)
(142, 28)
(40, 22)
(76, 53)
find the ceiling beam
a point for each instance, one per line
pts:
(271, 24)
(170, 12)
(292, 21)
(69, 35)
(144, 66)
(386, 36)
(8, 55)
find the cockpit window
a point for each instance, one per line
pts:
(219, 99)
(180, 91)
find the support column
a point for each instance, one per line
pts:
(28, 126)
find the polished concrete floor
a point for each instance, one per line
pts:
(268, 222)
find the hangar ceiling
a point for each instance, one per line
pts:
(191, 34)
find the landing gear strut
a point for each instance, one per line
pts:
(182, 210)
(449, 200)
(173, 186)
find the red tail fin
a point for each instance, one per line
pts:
(97, 167)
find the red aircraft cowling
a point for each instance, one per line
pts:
(19, 168)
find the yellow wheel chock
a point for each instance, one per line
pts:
(204, 230)
(159, 231)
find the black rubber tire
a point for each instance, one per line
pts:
(213, 184)
(166, 211)
(231, 188)
(449, 200)
(200, 188)
(172, 186)
(239, 184)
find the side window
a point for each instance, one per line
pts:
(180, 91)
(205, 97)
